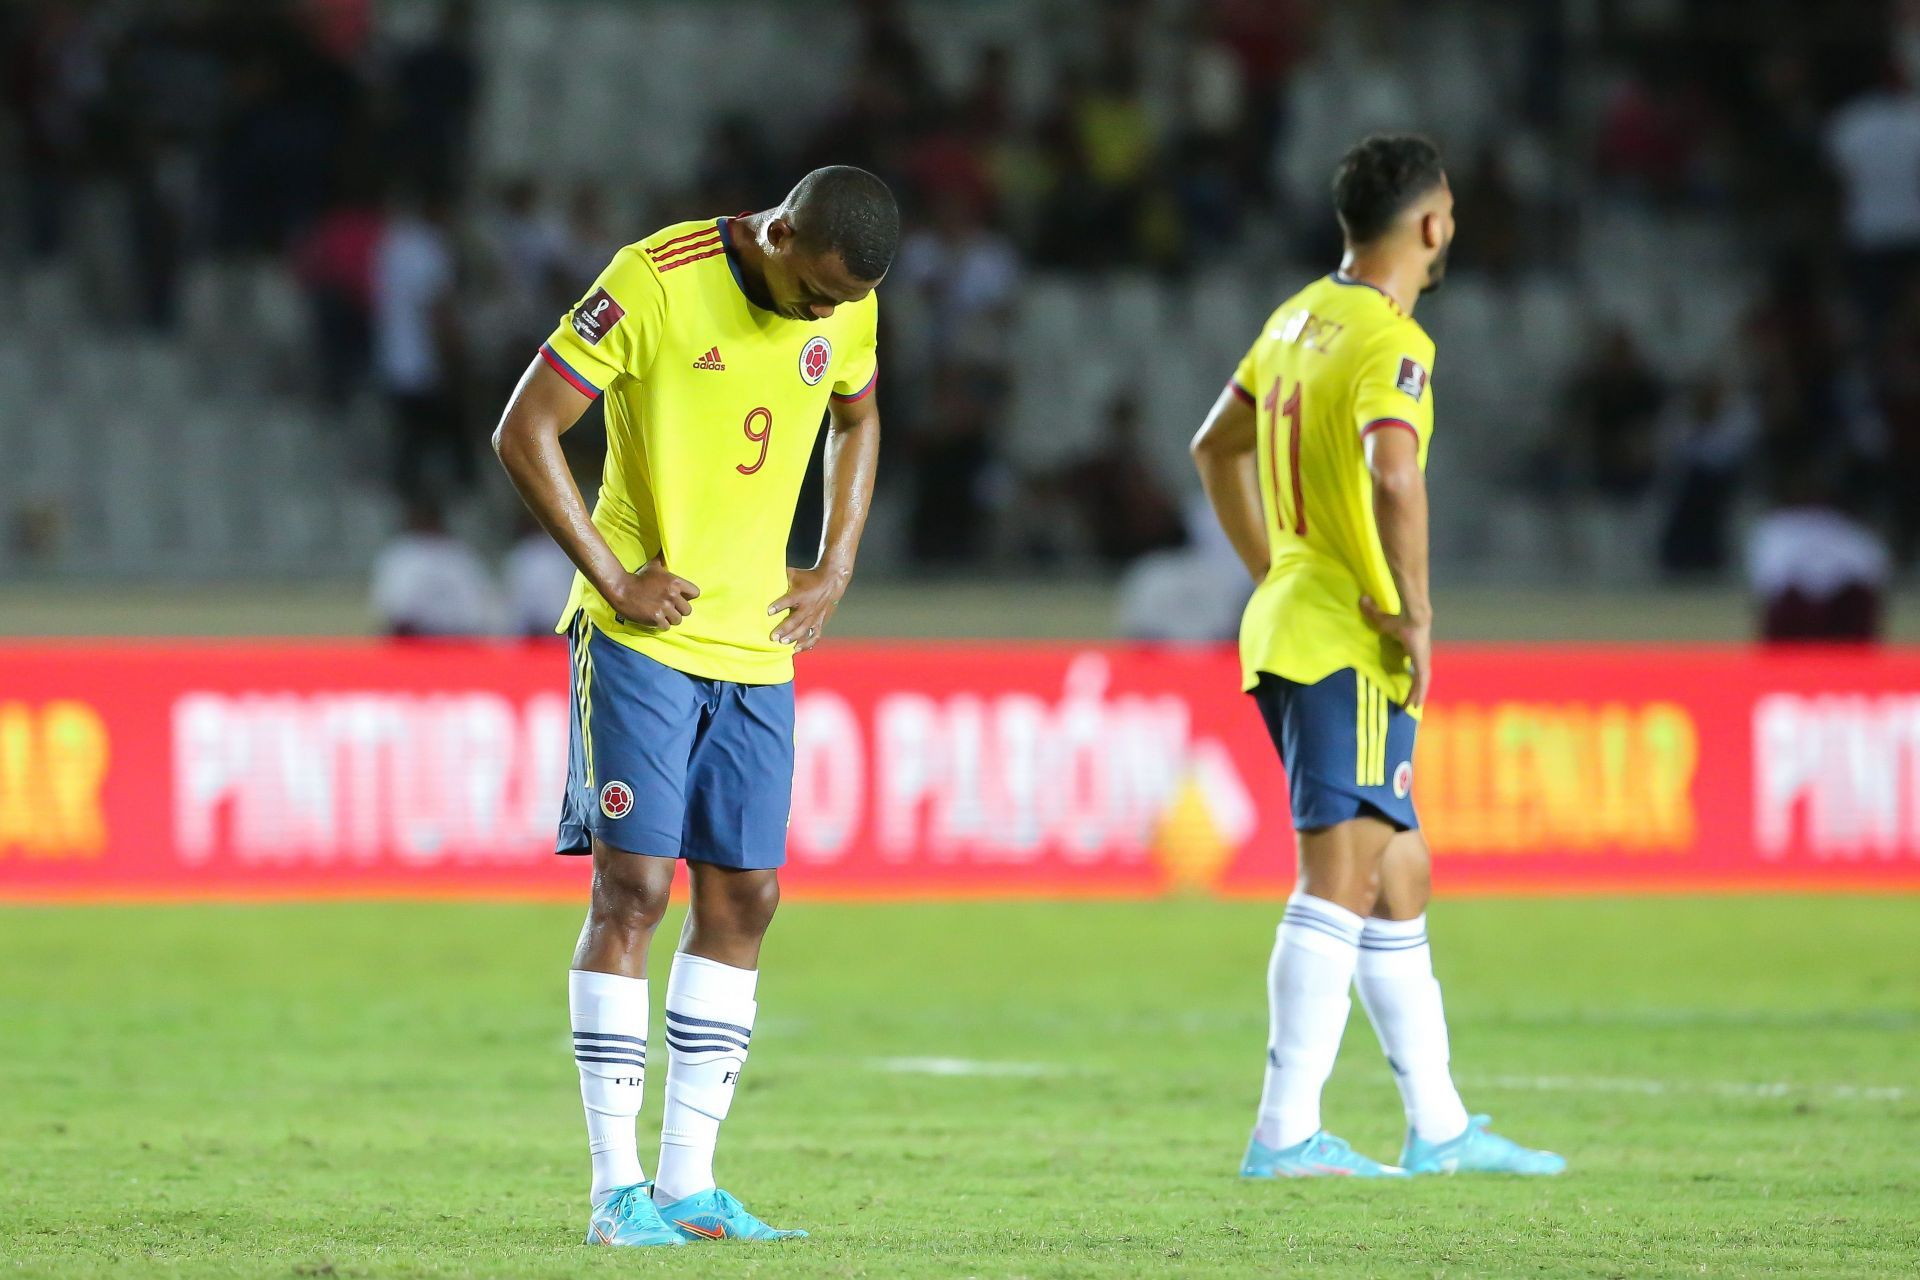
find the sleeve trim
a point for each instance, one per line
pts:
(862, 393)
(1241, 391)
(1377, 423)
(567, 371)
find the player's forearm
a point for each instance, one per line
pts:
(1400, 513)
(852, 459)
(1233, 489)
(1225, 452)
(538, 468)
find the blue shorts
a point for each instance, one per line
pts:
(663, 763)
(1347, 748)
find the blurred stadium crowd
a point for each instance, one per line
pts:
(272, 265)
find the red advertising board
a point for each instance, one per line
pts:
(208, 770)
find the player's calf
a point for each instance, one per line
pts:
(732, 910)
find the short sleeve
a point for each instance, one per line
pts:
(1244, 376)
(614, 330)
(1394, 387)
(860, 373)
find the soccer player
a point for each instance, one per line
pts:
(719, 346)
(1313, 458)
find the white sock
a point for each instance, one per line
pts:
(1314, 953)
(610, 1048)
(1402, 998)
(710, 1012)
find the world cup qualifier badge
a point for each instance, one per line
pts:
(593, 317)
(616, 799)
(813, 360)
(1413, 377)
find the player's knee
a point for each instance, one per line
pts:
(745, 906)
(630, 903)
(1356, 895)
(1352, 882)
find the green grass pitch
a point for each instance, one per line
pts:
(966, 1089)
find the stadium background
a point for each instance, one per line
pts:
(1678, 409)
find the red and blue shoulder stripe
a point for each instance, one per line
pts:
(850, 396)
(567, 371)
(1378, 423)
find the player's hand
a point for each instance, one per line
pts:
(652, 596)
(1415, 637)
(812, 596)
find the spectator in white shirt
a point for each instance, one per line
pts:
(428, 583)
(1873, 144)
(538, 579)
(1818, 572)
(417, 348)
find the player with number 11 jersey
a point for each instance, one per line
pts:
(1314, 458)
(1338, 361)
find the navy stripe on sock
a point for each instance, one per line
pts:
(1301, 922)
(695, 1037)
(1299, 912)
(622, 1060)
(1318, 906)
(1320, 914)
(607, 1035)
(1392, 944)
(704, 1046)
(686, 1021)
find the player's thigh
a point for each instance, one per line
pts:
(635, 723)
(740, 780)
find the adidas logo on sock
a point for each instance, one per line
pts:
(711, 360)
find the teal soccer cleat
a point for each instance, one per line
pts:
(627, 1217)
(715, 1215)
(1478, 1150)
(1321, 1156)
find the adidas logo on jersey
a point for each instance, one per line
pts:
(711, 360)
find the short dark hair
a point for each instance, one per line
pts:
(1379, 178)
(848, 211)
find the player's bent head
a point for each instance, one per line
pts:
(1382, 178)
(849, 212)
(837, 229)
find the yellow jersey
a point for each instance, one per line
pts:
(712, 408)
(1337, 361)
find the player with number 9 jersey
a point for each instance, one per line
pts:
(712, 407)
(717, 348)
(1336, 362)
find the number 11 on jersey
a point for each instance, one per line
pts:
(1291, 412)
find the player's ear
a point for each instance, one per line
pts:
(1430, 230)
(780, 234)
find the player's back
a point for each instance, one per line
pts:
(1335, 362)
